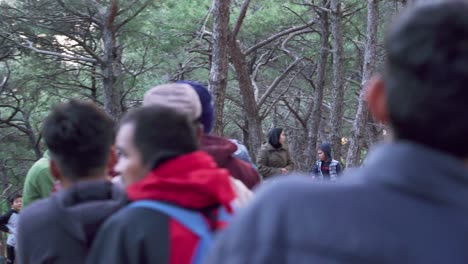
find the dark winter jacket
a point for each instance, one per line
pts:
(61, 228)
(270, 160)
(140, 235)
(407, 206)
(329, 169)
(222, 151)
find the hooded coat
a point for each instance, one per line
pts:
(222, 151)
(61, 228)
(328, 169)
(273, 156)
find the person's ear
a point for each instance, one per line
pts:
(377, 100)
(55, 171)
(111, 161)
(199, 132)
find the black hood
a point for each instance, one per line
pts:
(274, 137)
(326, 148)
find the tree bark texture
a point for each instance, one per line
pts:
(220, 61)
(111, 64)
(316, 114)
(360, 122)
(336, 115)
(248, 97)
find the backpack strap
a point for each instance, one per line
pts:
(193, 220)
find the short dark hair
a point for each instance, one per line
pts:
(79, 136)
(14, 197)
(426, 76)
(161, 133)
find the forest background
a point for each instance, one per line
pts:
(297, 64)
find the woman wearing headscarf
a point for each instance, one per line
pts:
(273, 157)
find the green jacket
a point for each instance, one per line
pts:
(39, 182)
(271, 160)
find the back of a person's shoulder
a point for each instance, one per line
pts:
(38, 214)
(136, 217)
(39, 167)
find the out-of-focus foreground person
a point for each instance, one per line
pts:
(61, 228)
(221, 149)
(409, 203)
(179, 196)
(39, 182)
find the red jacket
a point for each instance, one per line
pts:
(140, 235)
(221, 150)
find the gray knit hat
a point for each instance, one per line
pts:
(179, 96)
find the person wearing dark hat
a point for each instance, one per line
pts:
(326, 168)
(221, 149)
(273, 157)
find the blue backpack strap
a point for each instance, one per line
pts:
(191, 219)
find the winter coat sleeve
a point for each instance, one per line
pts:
(262, 161)
(129, 240)
(4, 221)
(289, 164)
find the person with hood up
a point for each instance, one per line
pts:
(162, 168)
(221, 149)
(326, 168)
(273, 157)
(61, 228)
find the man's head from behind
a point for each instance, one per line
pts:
(149, 136)
(424, 91)
(79, 136)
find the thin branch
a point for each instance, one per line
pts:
(277, 81)
(240, 19)
(121, 24)
(277, 36)
(56, 54)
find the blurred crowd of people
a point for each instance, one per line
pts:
(158, 187)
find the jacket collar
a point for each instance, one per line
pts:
(269, 147)
(419, 171)
(192, 181)
(88, 201)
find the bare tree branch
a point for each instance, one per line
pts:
(56, 54)
(277, 81)
(277, 36)
(128, 19)
(240, 19)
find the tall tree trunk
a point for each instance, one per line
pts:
(248, 97)
(220, 63)
(321, 74)
(111, 64)
(336, 122)
(360, 122)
